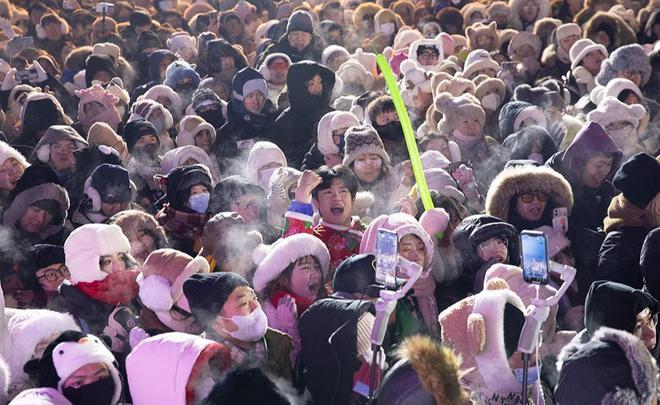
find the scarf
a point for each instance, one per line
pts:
(184, 225)
(622, 212)
(301, 303)
(118, 288)
(424, 292)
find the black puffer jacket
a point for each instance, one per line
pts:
(295, 129)
(312, 52)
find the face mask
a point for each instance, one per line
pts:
(533, 375)
(213, 117)
(391, 131)
(149, 151)
(388, 28)
(199, 202)
(251, 327)
(96, 393)
(264, 177)
(491, 101)
(465, 139)
(537, 157)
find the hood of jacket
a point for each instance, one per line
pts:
(299, 74)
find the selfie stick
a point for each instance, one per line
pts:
(537, 313)
(384, 308)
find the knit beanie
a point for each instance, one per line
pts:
(300, 20)
(190, 126)
(581, 48)
(638, 178)
(330, 122)
(181, 179)
(162, 276)
(207, 294)
(246, 81)
(109, 184)
(274, 259)
(261, 154)
(362, 140)
(134, 130)
(101, 133)
(204, 96)
(355, 275)
(179, 70)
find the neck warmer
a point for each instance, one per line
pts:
(184, 225)
(118, 288)
(466, 141)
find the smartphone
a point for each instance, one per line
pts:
(455, 165)
(560, 220)
(534, 257)
(105, 8)
(386, 258)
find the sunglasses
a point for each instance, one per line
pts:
(529, 197)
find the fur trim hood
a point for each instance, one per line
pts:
(614, 367)
(516, 5)
(515, 180)
(617, 29)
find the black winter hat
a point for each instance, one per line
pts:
(228, 190)
(355, 274)
(247, 386)
(207, 294)
(148, 39)
(139, 19)
(300, 20)
(98, 63)
(615, 305)
(639, 179)
(135, 130)
(540, 96)
(112, 183)
(204, 94)
(39, 257)
(181, 179)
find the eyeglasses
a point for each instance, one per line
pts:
(529, 197)
(651, 322)
(493, 244)
(429, 56)
(52, 275)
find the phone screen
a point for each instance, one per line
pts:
(386, 258)
(534, 257)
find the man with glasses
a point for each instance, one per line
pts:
(56, 149)
(41, 275)
(427, 53)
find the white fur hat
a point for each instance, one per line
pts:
(178, 156)
(190, 126)
(613, 89)
(405, 37)
(332, 50)
(85, 246)
(612, 110)
(274, 259)
(28, 328)
(330, 122)
(414, 80)
(366, 59)
(6, 152)
(525, 38)
(160, 90)
(107, 49)
(265, 72)
(477, 60)
(581, 48)
(181, 40)
(352, 71)
(433, 159)
(40, 396)
(70, 356)
(261, 154)
(436, 43)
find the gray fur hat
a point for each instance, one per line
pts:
(628, 57)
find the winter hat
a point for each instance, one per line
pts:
(71, 351)
(261, 154)
(627, 14)
(54, 134)
(98, 63)
(144, 108)
(404, 37)
(539, 96)
(226, 234)
(490, 85)
(581, 48)
(134, 222)
(107, 49)
(98, 94)
(479, 29)
(613, 89)
(514, 113)
(109, 184)
(49, 17)
(181, 179)
(161, 90)
(253, 385)
(39, 257)
(40, 396)
(179, 156)
(366, 59)
(162, 276)
(148, 39)
(477, 60)
(38, 104)
(417, 46)
(591, 139)
(300, 20)
(85, 246)
(101, 133)
(434, 221)
(265, 72)
(190, 126)
(470, 12)
(246, 81)
(355, 275)
(207, 294)
(524, 38)
(179, 70)
(181, 40)
(478, 228)
(136, 129)
(330, 52)
(274, 259)
(639, 179)
(498, 8)
(454, 84)
(627, 57)
(612, 110)
(453, 108)
(330, 122)
(433, 159)
(441, 182)
(362, 140)
(203, 97)
(399, 223)
(414, 80)
(354, 72)
(557, 241)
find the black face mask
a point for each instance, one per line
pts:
(213, 117)
(96, 393)
(391, 131)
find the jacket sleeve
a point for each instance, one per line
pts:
(298, 219)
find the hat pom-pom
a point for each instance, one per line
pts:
(442, 101)
(260, 253)
(522, 92)
(155, 293)
(407, 66)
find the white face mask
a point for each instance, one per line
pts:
(199, 202)
(491, 101)
(388, 28)
(251, 327)
(264, 177)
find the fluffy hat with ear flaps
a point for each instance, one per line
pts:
(161, 90)
(274, 259)
(612, 110)
(7, 152)
(613, 89)
(261, 154)
(478, 29)
(516, 180)
(133, 222)
(85, 246)
(190, 126)
(628, 57)
(330, 122)
(478, 59)
(414, 80)
(109, 184)
(453, 108)
(41, 32)
(181, 179)
(54, 134)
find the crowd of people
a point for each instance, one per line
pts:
(191, 195)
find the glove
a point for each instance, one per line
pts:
(464, 177)
(136, 335)
(287, 313)
(10, 80)
(41, 73)
(120, 321)
(408, 206)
